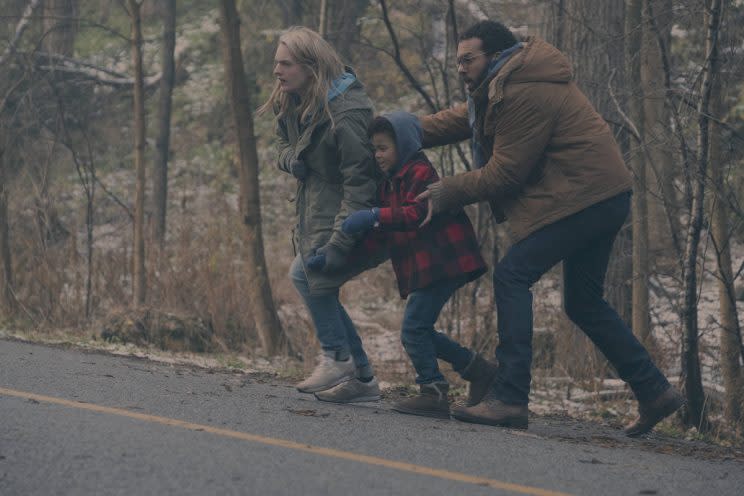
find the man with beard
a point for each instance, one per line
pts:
(548, 163)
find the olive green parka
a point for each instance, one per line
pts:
(342, 178)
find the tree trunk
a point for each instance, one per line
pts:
(664, 208)
(343, 27)
(261, 301)
(138, 250)
(633, 33)
(553, 24)
(323, 23)
(162, 143)
(6, 284)
(730, 333)
(695, 411)
(60, 26)
(592, 35)
(292, 12)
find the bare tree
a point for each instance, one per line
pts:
(721, 236)
(730, 333)
(593, 34)
(21, 27)
(139, 284)
(552, 22)
(343, 27)
(261, 301)
(323, 23)
(663, 204)
(397, 56)
(292, 11)
(6, 284)
(695, 413)
(633, 46)
(60, 26)
(162, 143)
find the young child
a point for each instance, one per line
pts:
(430, 263)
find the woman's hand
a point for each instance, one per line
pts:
(298, 169)
(327, 258)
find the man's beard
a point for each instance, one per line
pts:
(472, 84)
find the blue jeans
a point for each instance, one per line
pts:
(334, 328)
(422, 343)
(583, 242)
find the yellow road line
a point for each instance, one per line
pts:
(307, 448)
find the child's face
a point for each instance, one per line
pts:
(385, 151)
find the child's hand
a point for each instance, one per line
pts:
(361, 220)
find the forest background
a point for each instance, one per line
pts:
(140, 205)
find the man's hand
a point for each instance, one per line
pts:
(298, 169)
(360, 221)
(426, 195)
(327, 258)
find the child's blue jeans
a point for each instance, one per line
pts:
(422, 343)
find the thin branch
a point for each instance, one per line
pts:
(630, 125)
(89, 71)
(399, 61)
(725, 125)
(20, 28)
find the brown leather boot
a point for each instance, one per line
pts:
(432, 401)
(653, 412)
(492, 411)
(480, 373)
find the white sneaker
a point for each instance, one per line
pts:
(351, 391)
(327, 373)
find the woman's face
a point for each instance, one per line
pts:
(292, 77)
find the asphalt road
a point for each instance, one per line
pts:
(74, 422)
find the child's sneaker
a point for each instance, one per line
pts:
(351, 391)
(432, 401)
(328, 373)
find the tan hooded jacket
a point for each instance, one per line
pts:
(552, 153)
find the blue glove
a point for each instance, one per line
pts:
(361, 220)
(298, 169)
(327, 258)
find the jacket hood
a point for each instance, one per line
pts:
(347, 93)
(539, 61)
(408, 137)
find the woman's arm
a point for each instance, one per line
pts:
(286, 150)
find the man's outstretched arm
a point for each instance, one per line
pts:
(446, 126)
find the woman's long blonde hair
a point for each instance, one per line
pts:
(318, 57)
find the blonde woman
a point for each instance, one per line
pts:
(322, 113)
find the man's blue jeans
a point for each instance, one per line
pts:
(583, 242)
(422, 343)
(334, 328)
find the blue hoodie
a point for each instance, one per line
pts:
(408, 137)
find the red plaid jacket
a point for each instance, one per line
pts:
(444, 248)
